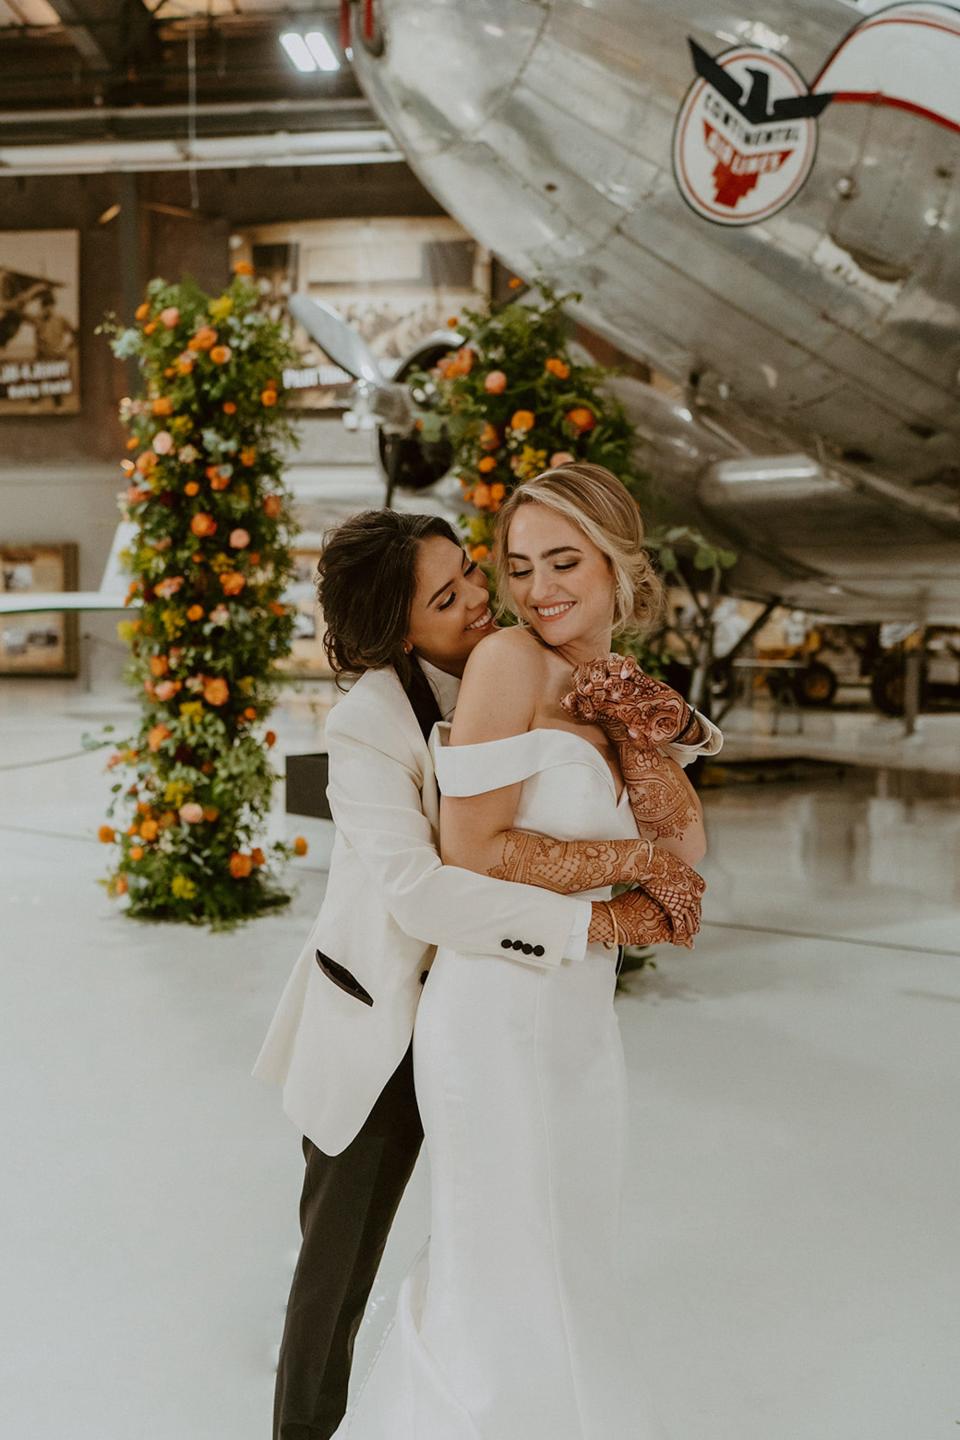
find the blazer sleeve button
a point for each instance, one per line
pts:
(506, 944)
(528, 949)
(518, 944)
(538, 949)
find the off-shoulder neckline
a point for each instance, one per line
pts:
(544, 730)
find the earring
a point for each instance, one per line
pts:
(407, 647)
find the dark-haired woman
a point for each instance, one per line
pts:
(404, 610)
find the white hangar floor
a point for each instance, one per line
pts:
(792, 1235)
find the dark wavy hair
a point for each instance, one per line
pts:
(366, 580)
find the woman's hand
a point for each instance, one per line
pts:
(640, 920)
(678, 889)
(631, 707)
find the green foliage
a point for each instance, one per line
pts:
(209, 564)
(513, 400)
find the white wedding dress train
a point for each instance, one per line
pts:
(512, 1324)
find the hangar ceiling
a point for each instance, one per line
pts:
(95, 85)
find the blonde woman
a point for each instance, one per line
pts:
(514, 1325)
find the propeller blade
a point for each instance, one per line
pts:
(337, 339)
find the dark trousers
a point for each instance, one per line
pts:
(346, 1210)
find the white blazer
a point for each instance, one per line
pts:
(346, 1016)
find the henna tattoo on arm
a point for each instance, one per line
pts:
(573, 866)
(663, 801)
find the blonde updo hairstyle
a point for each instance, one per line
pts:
(601, 506)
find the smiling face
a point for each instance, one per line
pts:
(451, 611)
(561, 583)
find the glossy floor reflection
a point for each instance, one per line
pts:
(791, 1238)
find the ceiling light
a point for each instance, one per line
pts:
(298, 51)
(321, 50)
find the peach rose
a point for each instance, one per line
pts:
(170, 317)
(156, 736)
(216, 691)
(239, 539)
(163, 442)
(489, 437)
(495, 383)
(202, 525)
(561, 457)
(191, 813)
(581, 419)
(220, 615)
(167, 689)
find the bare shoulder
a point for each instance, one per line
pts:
(501, 683)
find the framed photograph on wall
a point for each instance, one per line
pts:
(39, 322)
(44, 643)
(307, 659)
(396, 280)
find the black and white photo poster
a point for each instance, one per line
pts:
(39, 320)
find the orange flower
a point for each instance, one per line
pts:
(159, 665)
(132, 443)
(216, 691)
(106, 834)
(480, 552)
(169, 373)
(131, 829)
(270, 739)
(191, 488)
(220, 354)
(248, 455)
(220, 482)
(202, 525)
(243, 267)
(232, 582)
(240, 865)
(163, 405)
(561, 457)
(250, 713)
(495, 383)
(522, 420)
(489, 437)
(229, 407)
(204, 339)
(276, 608)
(156, 736)
(149, 830)
(481, 496)
(120, 886)
(210, 813)
(300, 846)
(581, 419)
(143, 807)
(268, 397)
(185, 364)
(257, 856)
(168, 818)
(453, 321)
(486, 465)
(147, 462)
(498, 491)
(515, 282)
(272, 506)
(142, 311)
(149, 329)
(559, 368)
(136, 852)
(195, 612)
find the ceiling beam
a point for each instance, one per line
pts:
(108, 34)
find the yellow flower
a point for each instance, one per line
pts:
(182, 888)
(220, 308)
(529, 462)
(175, 792)
(173, 622)
(191, 709)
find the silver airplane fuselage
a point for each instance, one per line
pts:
(765, 207)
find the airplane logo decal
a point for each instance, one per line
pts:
(745, 139)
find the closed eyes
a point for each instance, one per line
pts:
(520, 574)
(453, 594)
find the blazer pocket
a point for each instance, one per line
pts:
(341, 976)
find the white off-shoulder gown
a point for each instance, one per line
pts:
(513, 1323)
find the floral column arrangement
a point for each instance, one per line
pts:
(209, 565)
(513, 400)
